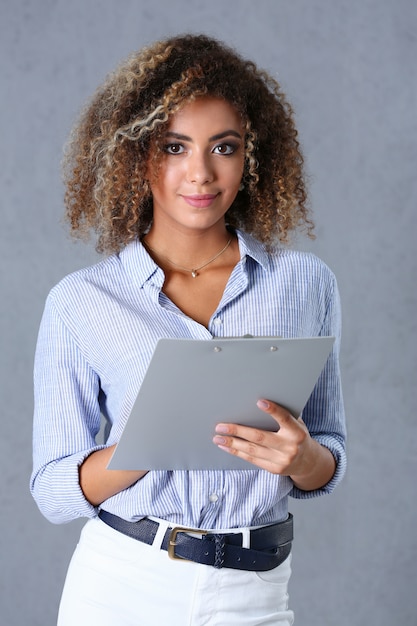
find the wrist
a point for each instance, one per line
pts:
(317, 469)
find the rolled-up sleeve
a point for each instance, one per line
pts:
(66, 421)
(324, 412)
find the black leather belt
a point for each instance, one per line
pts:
(269, 545)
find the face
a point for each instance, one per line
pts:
(201, 168)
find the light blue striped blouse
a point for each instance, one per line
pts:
(97, 335)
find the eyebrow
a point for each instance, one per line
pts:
(226, 133)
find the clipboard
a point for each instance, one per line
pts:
(191, 385)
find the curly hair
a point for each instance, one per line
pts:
(119, 134)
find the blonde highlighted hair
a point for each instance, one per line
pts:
(118, 138)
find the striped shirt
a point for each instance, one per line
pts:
(98, 332)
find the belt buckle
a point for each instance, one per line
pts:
(172, 537)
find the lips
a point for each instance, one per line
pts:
(200, 201)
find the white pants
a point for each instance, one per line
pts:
(117, 581)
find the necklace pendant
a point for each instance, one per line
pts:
(194, 272)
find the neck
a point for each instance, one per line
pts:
(186, 249)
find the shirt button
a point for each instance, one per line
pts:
(213, 497)
(218, 321)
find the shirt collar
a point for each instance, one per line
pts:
(141, 267)
(249, 246)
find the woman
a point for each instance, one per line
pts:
(186, 164)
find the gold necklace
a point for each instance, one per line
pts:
(194, 272)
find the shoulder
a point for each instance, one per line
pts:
(84, 285)
(305, 273)
(304, 263)
(99, 273)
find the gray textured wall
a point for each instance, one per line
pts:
(349, 69)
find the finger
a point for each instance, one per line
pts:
(249, 433)
(252, 442)
(282, 416)
(262, 457)
(238, 446)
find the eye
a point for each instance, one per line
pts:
(225, 148)
(174, 148)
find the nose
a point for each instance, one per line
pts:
(200, 170)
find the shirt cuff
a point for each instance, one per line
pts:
(57, 490)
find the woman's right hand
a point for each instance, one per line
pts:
(98, 483)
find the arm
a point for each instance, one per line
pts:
(69, 478)
(99, 483)
(312, 452)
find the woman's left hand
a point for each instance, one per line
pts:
(290, 451)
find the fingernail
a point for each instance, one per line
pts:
(263, 404)
(221, 428)
(219, 440)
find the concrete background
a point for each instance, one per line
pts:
(349, 67)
